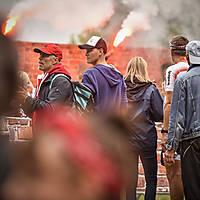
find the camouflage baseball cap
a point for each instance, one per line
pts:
(193, 50)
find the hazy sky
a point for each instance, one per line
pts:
(149, 20)
(56, 20)
(6, 5)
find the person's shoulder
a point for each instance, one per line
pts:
(152, 88)
(60, 77)
(169, 71)
(178, 66)
(91, 70)
(170, 67)
(148, 91)
(182, 65)
(180, 79)
(185, 76)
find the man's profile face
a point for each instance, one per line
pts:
(46, 61)
(92, 55)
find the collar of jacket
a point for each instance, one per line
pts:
(57, 69)
(192, 66)
(136, 86)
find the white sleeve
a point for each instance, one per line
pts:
(169, 80)
(33, 93)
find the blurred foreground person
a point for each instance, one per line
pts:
(8, 83)
(179, 67)
(71, 158)
(184, 124)
(103, 79)
(144, 109)
(8, 72)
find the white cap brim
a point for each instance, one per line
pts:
(91, 43)
(194, 59)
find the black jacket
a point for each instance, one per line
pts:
(60, 92)
(145, 107)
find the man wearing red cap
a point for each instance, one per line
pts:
(55, 87)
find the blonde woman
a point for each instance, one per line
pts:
(144, 108)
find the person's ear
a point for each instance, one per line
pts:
(172, 55)
(56, 60)
(187, 58)
(101, 51)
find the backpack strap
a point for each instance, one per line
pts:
(57, 75)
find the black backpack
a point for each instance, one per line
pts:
(83, 100)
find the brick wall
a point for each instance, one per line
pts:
(75, 62)
(18, 129)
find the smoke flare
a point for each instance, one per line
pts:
(9, 25)
(121, 35)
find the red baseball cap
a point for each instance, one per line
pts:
(50, 49)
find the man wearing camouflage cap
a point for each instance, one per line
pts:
(184, 123)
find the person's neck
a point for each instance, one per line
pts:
(179, 59)
(51, 67)
(101, 61)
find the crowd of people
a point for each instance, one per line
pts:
(95, 155)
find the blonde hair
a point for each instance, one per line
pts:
(137, 67)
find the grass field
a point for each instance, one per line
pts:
(141, 197)
(158, 197)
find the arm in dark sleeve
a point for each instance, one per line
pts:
(124, 97)
(60, 92)
(156, 108)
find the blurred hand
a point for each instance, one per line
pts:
(169, 156)
(21, 94)
(164, 141)
(30, 85)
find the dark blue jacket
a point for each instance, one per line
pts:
(145, 107)
(108, 87)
